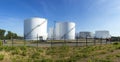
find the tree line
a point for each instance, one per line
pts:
(115, 38)
(8, 35)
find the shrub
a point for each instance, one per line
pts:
(8, 48)
(103, 60)
(103, 52)
(43, 60)
(16, 51)
(117, 47)
(1, 56)
(40, 50)
(35, 55)
(21, 60)
(23, 48)
(1, 48)
(1, 43)
(116, 43)
(118, 55)
(50, 52)
(76, 57)
(70, 60)
(37, 60)
(23, 53)
(100, 60)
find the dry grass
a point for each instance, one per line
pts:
(98, 53)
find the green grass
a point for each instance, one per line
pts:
(1, 56)
(98, 53)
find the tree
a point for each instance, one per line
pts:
(2, 33)
(10, 35)
(14, 35)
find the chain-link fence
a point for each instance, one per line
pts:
(53, 43)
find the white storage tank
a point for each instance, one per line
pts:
(85, 34)
(51, 33)
(35, 28)
(65, 30)
(102, 34)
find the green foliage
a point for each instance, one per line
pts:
(8, 48)
(78, 56)
(71, 60)
(2, 33)
(21, 60)
(23, 53)
(118, 55)
(115, 38)
(35, 55)
(23, 48)
(1, 43)
(89, 49)
(16, 51)
(1, 48)
(1, 56)
(42, 60)
(99, 60)
(102, 60)
(61, 54)
(116, 43)
(10, 35)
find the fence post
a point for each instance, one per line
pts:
(37, 40)
(106, 40)
(12, 41)
(77, 41)
(51, 43)
(24, 42)
(64, 44)
(86, 41)
(64, 41)
(94, 41)
(110, 40)
(101, 40)
(2, 43)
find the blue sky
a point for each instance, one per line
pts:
(89, 15)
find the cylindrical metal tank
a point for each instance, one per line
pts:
(35, 28)
(51, 33)
(65, 30)
(102, 34)
(85, 34)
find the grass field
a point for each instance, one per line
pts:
(98, 53)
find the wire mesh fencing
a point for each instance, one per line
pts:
(54, 43)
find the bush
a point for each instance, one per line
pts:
(16, 51)
(23, 48)
(35, 55)
(1, 43)
(71, 60)
(1, 56)
(101, 60)
(1, 48)
(118, 55)
(115, 43)
(43, 60)
(23, 53)
(21, 60)
(8, 48)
